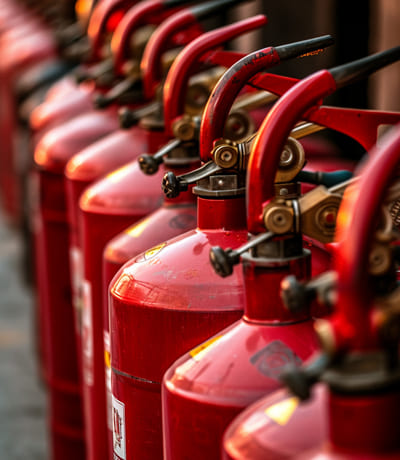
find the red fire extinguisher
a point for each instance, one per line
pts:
(67, 99)
(63, 143)
(104, 214)
(282, 427)
(242, 363)
(185, 297)
(358, 363)
(175, 216)
(21, 47)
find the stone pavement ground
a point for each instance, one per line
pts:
(22, 397)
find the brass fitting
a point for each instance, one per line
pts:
(279, 217)
(185, 128)
(225, 153)
(291, 161)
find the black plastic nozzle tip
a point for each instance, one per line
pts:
(127, 118)
(148, 164)
(295, 295)
(353, 71)
(100, 101)
(295, 378)
(171, 185)
(221, 261)
(304, 47)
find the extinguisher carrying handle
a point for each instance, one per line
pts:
(237, 76)
(301, 103)
(98, 22)
(183, 20)
(203, 51)
(194, 54)
(145, 12)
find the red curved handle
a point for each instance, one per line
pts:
(159, 42)
(200, 51)
(302, 103)
(352, 322)
(227, 89)
(146, 12)
(99, 19)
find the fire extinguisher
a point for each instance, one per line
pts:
(123, 197)
(174, 217)
(284, 428)
(68, 99)
(358, 362)
(243, 362)
(185, 298)
(22, 47)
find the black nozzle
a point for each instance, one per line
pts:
(129, 117)
(353, 71)
(94, 72)
(299, 380)
(328, 179)
(303, 47)
(296, 296)
(223, 261)
(149, 163)
(171, 186)
(102, 101)
(207, 9)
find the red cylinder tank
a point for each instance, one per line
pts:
(100, 221)
(273, 427)
(359, 406)
(51, 244)
(206, 388)
(36, 45)
(166, 291)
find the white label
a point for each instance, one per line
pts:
(76, 268)
(107, 368)
(87, 334)
(118, 418)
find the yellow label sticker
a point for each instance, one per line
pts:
(153, 251)
(136, 230)
(283, 410)
(107, 359)
(198, 352)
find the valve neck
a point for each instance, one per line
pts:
(362, 387)
(223, 214)
(263, 274)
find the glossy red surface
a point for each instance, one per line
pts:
(206, 388)
(106, 208)
(33, 45)
(61, 108)
(60, 367)
(273, 427)
(51, 237)
(164, 302)
(173, 218)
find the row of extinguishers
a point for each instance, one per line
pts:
(152, 339)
